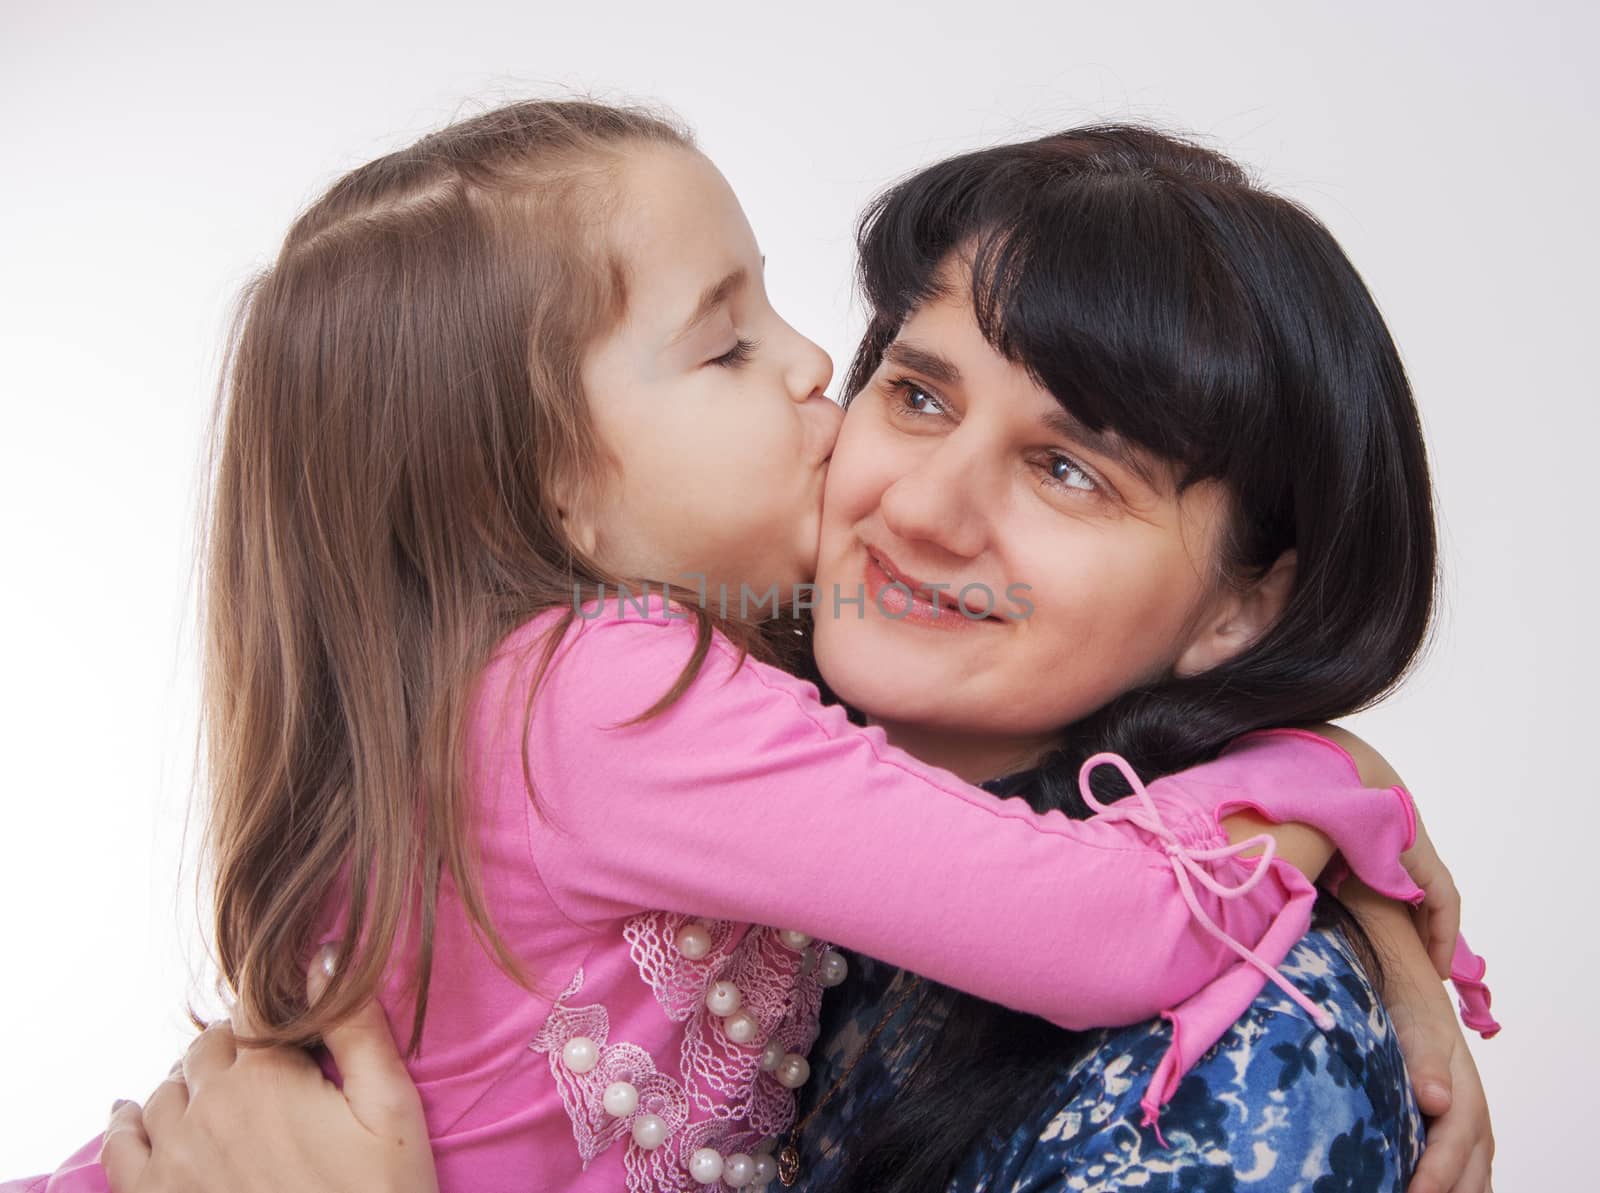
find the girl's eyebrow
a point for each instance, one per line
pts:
(712, 297)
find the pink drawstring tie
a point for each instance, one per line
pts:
(1186, 865)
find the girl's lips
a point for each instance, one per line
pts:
(888, 592)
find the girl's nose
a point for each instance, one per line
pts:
(810, 369)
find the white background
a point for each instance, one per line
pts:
(152, 155)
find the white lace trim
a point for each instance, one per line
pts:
(724, 1079)
(717, 1078)
(583, 1094)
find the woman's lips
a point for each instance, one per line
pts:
(889, 592)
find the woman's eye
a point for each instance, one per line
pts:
(913, 399)
(739, 354)
(1066, 471)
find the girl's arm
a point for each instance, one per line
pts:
(748, 800)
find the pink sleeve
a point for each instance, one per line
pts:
(749, 800)
(80, 1173)
(1313, 784)
(1472, 996)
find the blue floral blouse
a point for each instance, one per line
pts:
(1275, 1105)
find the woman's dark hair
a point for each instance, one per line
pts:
(1156, 291)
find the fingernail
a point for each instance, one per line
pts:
(119, 1104)
(323, 967)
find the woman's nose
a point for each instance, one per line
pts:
(939, 502)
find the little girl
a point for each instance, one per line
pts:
(592, 854)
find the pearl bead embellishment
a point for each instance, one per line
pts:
(580, 1054)
(649, 1131)
(694, 941)
(766, 1170)
(621, 1099)
(793, 1071)
(741, 1028)
(771, 1056)
(723, 999)
(706, 1166)
(808, 962)
(832, 969)
(793, 940)
(738, 1170)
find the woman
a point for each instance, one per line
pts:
(1234, 403)
(1166, 304)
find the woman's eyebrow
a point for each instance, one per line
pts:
(929, 363)
(1060, 421)
(712, 297)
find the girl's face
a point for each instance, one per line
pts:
(954, 467)
(709, 405)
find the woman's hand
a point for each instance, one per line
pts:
(1438, 917)
(1460, 1138)
(262, 1120)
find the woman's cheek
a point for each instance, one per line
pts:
(854, 474)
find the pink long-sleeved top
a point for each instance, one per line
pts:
(674, 889)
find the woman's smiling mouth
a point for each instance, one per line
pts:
(901, 597)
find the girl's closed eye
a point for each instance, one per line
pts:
(739, 354)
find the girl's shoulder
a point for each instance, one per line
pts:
(600, 665)
(613, 627)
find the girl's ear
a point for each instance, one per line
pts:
(575, 504)
(1238, 619)
(580, 530)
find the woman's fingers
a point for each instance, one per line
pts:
(1440, 919)
(1444, 1161)
(1476, 1179)
(1444, 924)
(375, 1082)
(1427, 1045)
(1460, 1148)
(167, 1104)
(210, 1053)
(125, 1148)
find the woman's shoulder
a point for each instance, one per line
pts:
(1276, 1095)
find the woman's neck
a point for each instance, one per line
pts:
(975, 758)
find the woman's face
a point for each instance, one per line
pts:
(710, 407)
(954, 467)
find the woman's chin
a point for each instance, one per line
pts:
(882, 688)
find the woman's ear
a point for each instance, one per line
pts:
(1238, 619)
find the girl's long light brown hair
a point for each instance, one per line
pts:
(400, 412)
